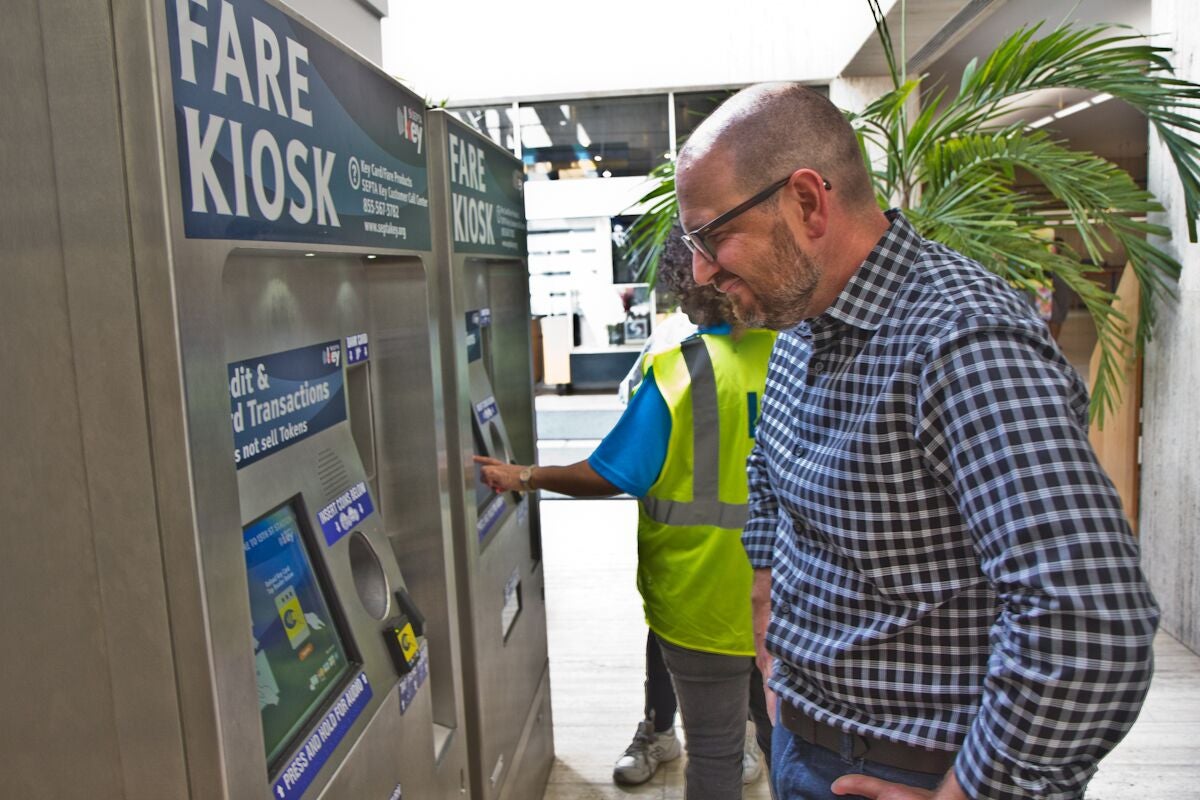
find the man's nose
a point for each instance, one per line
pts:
(703, 270)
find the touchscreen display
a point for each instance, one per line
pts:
(298, 655)
(483, 493)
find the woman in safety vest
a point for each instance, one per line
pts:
(680, 447)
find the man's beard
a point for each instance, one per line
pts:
(782, 301)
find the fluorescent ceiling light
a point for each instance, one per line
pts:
(491, 121)
(533, 135)
(1073, 109)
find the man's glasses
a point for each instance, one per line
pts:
(695, 239)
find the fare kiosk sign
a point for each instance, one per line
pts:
(283, 136)
(486, 195)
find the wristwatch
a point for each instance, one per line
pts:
(526, 478)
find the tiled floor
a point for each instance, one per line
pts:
(597, 640)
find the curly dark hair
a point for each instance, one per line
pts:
(704, 305)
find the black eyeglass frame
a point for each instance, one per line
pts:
(695, 239)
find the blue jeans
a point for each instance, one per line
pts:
(803, 771)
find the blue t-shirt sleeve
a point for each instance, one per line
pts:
(632, 455)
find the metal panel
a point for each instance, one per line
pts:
(504, 659)
(123, 575)
(279, 302)
(535, 750)
(413, 487)
(92, 684)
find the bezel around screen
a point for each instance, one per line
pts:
(301, 656)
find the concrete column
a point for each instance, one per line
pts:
(1170, 485)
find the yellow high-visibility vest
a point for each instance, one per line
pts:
(693, 574)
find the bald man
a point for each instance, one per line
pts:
(947, 595)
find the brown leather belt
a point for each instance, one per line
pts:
(891, 754)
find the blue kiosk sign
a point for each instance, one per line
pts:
(284, 136)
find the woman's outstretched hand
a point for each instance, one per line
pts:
(500, 477)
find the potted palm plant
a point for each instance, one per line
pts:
(953, 164)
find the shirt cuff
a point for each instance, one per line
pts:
(984, 774)
(758, 539)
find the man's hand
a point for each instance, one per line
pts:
(760, 609)
(876, 789)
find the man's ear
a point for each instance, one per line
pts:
(807, 188)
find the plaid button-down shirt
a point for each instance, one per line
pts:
(951, 568)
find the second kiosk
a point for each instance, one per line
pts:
(479, 234)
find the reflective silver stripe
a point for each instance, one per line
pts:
(705, 508)
(699, 512)
(706, 420)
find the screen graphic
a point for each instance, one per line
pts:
(299, 657)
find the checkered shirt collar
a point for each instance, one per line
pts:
(866, 298)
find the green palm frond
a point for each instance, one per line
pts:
(648, 234)
(960, 169)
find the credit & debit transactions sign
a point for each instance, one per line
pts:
(486, 195)
(280, 399)
(283, 136)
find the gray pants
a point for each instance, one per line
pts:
(713, 692)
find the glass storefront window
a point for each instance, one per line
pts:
(494, 122)
(601, 137)
(597, 138)
(691, 108)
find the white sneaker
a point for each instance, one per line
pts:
(752, 758)
(640, 760)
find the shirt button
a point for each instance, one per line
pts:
(784, 610)
(816, 367)
(783, 669)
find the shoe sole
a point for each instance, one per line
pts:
(626, 782)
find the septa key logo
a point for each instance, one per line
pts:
(411, 124)
(332, 355)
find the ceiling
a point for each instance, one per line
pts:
(942, 36)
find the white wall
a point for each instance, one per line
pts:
(354, 22)
(1170, 496)
(476, 49)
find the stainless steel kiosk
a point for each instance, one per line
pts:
(479, 227)
(225, 563)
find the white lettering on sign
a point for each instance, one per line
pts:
(315, 750)
(231, 60)
(346, 511)
(467, 164)
(295, 770)
(473, 220)
(266, 159)
(275, 166)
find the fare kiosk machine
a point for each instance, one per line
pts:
(252, 511)
(479, 226)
